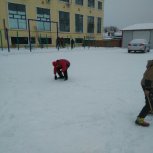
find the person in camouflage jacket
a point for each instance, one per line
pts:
(147, 86)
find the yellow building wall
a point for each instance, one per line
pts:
(55, 6)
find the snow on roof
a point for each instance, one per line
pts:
(118, 33)
(142, 26)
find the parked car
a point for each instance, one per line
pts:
(139, 45)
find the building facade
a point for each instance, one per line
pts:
(42, 21)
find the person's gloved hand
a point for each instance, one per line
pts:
(55, 77)
(146, 92)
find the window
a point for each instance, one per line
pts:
(44, 16)
(98, 25)
(17, 16)
(19, 40)
(65, 1)
(79, 2)
(78, 40)
(64, 21)
(91, 3)
(67, 40)
(90, 24)
(22, 40)
(45, 40)
(78, 23)
(99, 5)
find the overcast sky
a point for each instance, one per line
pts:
(123, 13)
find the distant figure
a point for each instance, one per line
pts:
(147, 86)
(62, 42)
(58, 43)
(60, 68)
(72, 43)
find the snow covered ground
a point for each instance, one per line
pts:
(93, 112)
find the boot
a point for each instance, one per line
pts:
(60, 75)
(65, 76)
(150, 113)
(140, 121)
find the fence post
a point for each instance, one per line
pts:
(46, 41)
(1, 39)
(29, 34)
(17, 39)
(6, 35)
(7, 38)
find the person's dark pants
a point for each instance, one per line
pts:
(65, 73)
(148, 105)
(59, 72)
(72, 46)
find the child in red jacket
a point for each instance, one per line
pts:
(60, 67)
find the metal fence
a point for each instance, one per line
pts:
(1, 36)
(103, 43)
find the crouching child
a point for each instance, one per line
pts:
(61, 68)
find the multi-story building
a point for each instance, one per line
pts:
(41, 21)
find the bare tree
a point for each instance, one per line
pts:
(111, 29)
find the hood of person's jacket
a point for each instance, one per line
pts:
(54, 63)
(150, 63)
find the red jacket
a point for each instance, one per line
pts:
(61, 64)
